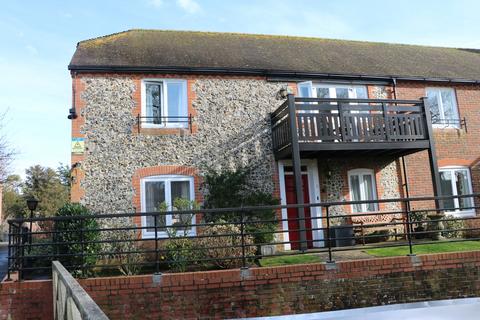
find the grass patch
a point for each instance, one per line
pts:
(286, 260)
(438, 247)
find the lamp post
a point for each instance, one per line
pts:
(32, 203)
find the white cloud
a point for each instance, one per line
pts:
(32, 49)
(156, 3)
(190, 6)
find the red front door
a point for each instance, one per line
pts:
(293, 225)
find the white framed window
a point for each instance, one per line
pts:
(443, 107)
(362, 187)
(456, 181)
(158, 192)
(332, 90)
(164, 103)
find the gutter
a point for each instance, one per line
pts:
(272, 75)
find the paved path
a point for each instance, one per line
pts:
(456, 309)
(3, 260)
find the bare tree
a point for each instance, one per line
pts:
(7, 153)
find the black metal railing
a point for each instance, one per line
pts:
(93, 244)
(350, 120)
(460, 123)
(164, 121)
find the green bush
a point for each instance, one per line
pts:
(181, 253)
(217, 247)
(41, 247)
(230, 189)
(69, 234)
(122, 245)
(453, 225)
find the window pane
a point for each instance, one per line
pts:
(449, 106)
(323, 93)
(361, 92)
(368, 185)
(342, 93)
(176, 106)
(463, 187)
(153, 107)
(355, 187)
(446, 186)
(180, 190)
(305, 89)
(154, 197)
(432, 103)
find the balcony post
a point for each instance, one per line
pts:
(297, 170)
(432, 155)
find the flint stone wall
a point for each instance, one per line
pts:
(233, 130)
(336, 184)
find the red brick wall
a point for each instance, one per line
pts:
(262, 291)
(454, 147)
(26, 300)
(76, 191)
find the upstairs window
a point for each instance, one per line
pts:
(443, 107)
(165, 103)
(362, 188)
(323, 90)
(456, 182)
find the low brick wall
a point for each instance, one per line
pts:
(26, 300)
(273, 291)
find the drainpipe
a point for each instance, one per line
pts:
(72, 112)
(394, 82)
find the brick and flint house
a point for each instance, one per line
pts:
(153, 110)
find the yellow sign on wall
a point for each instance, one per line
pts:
(78, 145)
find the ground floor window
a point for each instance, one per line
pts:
(362, 188)
(456, 181)
(160, 193)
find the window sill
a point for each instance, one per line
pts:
(164, 235)
(442, 126)
(461, 214)
(159, 131)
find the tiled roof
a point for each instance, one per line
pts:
(263, 54)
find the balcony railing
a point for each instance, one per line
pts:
(164, 122)
(349, 121)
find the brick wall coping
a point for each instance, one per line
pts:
(293, 273)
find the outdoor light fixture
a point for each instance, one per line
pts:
(32, 203)
(284, 92)
(72, 114)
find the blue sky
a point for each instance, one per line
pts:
(38, 39)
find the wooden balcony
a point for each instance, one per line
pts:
(340, 127)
